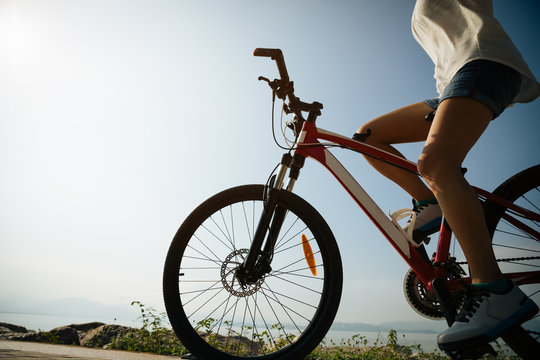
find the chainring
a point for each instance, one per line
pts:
(425, 302)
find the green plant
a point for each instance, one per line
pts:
(48, 337)
(152, 337)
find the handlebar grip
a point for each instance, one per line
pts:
(273, 53)
(276, 55)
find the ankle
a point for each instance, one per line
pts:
(497, 287)
(426, 202)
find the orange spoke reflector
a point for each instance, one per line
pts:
(308, 253)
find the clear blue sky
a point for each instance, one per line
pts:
(118, 117)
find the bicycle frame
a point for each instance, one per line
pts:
(309, 145)
(434, 274)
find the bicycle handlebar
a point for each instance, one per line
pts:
(286, 86)
(277, 55)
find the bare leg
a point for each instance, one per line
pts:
(458, 124)
(404, 125)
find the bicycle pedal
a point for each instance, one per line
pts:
(471, 353)
(421, 239)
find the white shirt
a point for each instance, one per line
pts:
(455, 32)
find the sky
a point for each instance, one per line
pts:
(117, 118)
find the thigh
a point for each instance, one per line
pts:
(407, 124)
(458, 124)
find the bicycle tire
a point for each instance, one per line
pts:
(509, 242)
(286, 319)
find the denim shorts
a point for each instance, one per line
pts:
(492, 83)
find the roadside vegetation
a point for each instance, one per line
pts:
(156, 337)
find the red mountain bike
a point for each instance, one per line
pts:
(254, 272)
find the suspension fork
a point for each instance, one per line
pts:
(258, 259)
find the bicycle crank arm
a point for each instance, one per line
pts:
(441, 291)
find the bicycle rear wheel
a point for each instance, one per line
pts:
(285, 314)
(519, 251)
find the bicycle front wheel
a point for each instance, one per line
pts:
(285, 314)
(519, 251)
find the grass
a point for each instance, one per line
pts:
(156, 337)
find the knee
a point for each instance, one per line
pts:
(438, 171)
(365, 134)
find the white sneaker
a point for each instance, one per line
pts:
(427, 221)
(485, 316)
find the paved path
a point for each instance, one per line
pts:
(20, 350)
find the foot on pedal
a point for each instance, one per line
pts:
(485, 316)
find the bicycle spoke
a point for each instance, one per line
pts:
(209, 316)
(530, 202)
(243, 323)
(296, 262)
(204, 291)
(232, 228)
(290, 298)
(516, 248)
(281, 327)
(217, 237)
(207, 248)
(514, 234)
(268, 331)
(254, 327)
(295, 236)
(523, 264)
(289, 308)
(289, 248)
(278, 243)
(228, 235)
(198, 291)
(310, 277)
(224, 313)
(284, 308)
(204, 258)
(246, 219)
(231, 322)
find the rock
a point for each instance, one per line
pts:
(103, 336)
(12, 328)
(29, 336)
(61, 335)
(14, 332)
(83, 329)
(64, 335)
(94, 334)
(86, 326)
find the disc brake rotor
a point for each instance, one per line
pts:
(228, 275)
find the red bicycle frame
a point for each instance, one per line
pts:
(309, 145)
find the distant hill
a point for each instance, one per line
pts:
(426, 326)
(76, 307)
(399, 326)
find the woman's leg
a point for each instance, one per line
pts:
(457, 125)
(404, 125)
